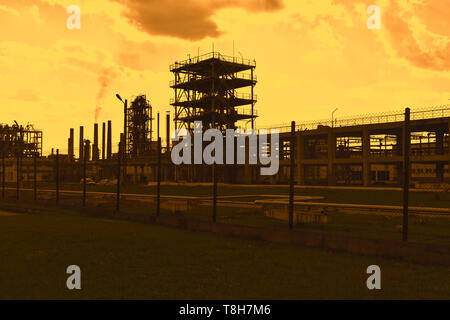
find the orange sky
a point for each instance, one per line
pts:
(311, 55)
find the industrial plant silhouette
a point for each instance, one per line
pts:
(374, 185)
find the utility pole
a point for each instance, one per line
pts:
(124, 145)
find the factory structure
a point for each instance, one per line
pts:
(219, 91)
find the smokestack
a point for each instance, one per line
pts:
(103, 140)
(168, 130)
(88, 150)
(70, 152)
(81, 143)
(109, 142)
(95, 153)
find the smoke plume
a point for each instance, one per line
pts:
(105, 78)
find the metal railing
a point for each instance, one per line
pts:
(375, 118)
(212, 55)
(240, 76)
(237, 95)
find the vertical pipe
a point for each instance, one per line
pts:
(57, 176)
(35, 176)
(291, 178)
(84, 174)
(119, 155)
(109, 142)
(214, 176)
(103, 141)
(95, 152)
(168, 131)
(87, 155)
(158, 185)
(406, 146)
(151, 123)
(71, 154)
(81, 143)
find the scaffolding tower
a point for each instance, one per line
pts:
(19, 140)
(206, 90)
(139, 127)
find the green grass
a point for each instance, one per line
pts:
(424, 229)
(122, 259)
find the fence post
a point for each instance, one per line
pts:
(3, 174)
(291, 178)
(57, 176)
(406, 144)
(18, 173)
(35, 176)
(84, 174)
(119, 155)
(158, 185)
(214, 177)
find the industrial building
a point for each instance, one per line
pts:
(368, 150)
(209, 88)
(219, 91)
(19, 139)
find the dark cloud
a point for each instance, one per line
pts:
(187, 19)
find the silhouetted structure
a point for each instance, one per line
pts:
(139, 127)
(70, 144)
(17, 139)
(205, 90)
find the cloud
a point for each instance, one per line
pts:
(413, 40)
(188, 19)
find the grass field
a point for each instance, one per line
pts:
(421, 229)
(120, 259)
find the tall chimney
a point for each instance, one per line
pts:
(168, 130)
(109, 142)
(88, 150)
(81, 143)
(103, 140)
(70, 149)
(95, 152)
